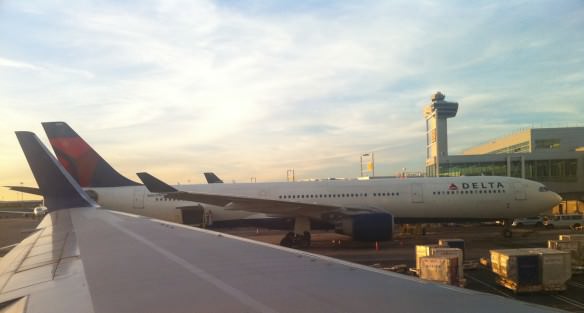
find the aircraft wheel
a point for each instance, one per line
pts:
(288, 240)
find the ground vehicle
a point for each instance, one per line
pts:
(568, 220)
(537, 221)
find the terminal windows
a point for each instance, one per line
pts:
(541, 144)
(516, 148)
(551, 170)
(474, 169)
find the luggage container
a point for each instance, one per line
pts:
(575, 248)
(556, 268)
(453, 243)
(451, 252)
(439, 269)
(422, 251)
(518, 270)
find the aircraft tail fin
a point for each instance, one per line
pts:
(212, 178)
(85, 165)
(154, 184)
(56, 185)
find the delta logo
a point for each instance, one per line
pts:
(482, 185)
(452, 187)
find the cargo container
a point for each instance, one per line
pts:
(556, 268)
(532, 269)
(451, 252)
(453, 243)
(575, 248)
(422, 251)
(439, 269)
(518, 270)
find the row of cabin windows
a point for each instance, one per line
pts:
(342, 195)
(165, 199)
(466, 192)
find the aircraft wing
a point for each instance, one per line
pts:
(83, 259)
(31, 190)
(250, 204)
(18, 212)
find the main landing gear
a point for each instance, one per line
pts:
(300, 237)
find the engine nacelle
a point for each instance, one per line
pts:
(368, 227)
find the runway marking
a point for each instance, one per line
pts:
(488, 286)
(570, 301)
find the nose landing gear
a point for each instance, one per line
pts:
(507, 233)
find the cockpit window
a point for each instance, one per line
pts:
(543, 189)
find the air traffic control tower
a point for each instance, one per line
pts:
(436, 114)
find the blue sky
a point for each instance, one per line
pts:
(252, 88)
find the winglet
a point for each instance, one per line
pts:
(154, 184)
(212, 178)
(56, 185)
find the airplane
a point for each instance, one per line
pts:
(362, 209)
(85, 259)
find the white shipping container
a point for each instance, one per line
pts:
(556, 267)
(422, 251)
(575, 248)
(451, 252)
(439, 269)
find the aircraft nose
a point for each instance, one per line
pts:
(555, 198)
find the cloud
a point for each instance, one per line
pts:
(253, 88)
(15, 64)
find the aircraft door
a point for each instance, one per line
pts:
(519, 189)
(138, 198)
(417, 193)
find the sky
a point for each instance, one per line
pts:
(253, 88)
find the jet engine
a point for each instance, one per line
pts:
(368, 227)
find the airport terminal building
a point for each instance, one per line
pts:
(553, 156)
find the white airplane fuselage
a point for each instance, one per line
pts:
(452, 198)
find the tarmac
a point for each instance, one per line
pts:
(401, 251)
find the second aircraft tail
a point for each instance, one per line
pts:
(85, 165)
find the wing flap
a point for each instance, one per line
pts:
(46, 269)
